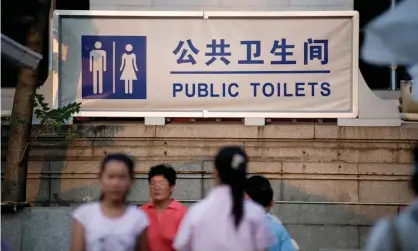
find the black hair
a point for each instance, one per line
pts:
(258, 188)
(414, 178)
(121, 157)
(257, 181)
(231, 164)
(165, 170)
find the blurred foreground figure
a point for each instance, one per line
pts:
(392, 38)
(223, 221)
(259, 190)
(3, 246)
(111, 224)
(399, 233)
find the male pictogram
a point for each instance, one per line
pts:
(97, 67)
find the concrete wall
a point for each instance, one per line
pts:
(331, 183)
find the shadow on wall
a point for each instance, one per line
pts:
(36, 228)
(47, 191)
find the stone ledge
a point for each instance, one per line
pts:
(292, 131)
(278, 151)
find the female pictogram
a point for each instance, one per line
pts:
(128, 68)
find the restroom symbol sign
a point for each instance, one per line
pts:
(114, 67)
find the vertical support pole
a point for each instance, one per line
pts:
(393, 67)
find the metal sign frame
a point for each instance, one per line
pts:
(352, 15)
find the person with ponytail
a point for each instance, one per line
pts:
(399, 233)
(111, 224)
(224, 221)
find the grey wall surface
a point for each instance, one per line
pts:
(38, 229)
(49, 228)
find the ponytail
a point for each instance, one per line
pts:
(237, 192)
(231, 164)
(414, 178)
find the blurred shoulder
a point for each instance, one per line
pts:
(275, 219)
(88, 207)
(84, 212)
(178, 206)
(253, 210)
(137, 212)
(197, 210)
(379, 239)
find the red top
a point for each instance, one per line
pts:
(163, 225)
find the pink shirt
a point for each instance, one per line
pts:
(163, 225)
(209, 226)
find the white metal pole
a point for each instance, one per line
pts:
(393, 67)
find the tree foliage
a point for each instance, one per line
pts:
(51, 120)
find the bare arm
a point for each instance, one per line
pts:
(142, 242)
(77, 237)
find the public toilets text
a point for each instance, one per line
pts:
(232, 90)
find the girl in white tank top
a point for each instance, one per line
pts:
(111, 224)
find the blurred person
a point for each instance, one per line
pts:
(392, 38)
(276, 219)
(400, 232)
(223, 221)
(258, 189)
(165, 214)
(3, 246)
(111, 224)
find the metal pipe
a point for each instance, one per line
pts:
(80, 177)
(208, 175)
(334, 203)
(18, 54)
(393, 67)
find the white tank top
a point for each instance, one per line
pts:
(110, 234)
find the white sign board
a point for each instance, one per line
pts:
(209, 64)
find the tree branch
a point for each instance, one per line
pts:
(30, 142)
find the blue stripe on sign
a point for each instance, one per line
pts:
(251, 72)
